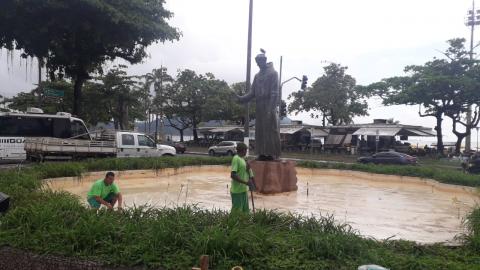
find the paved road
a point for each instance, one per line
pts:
(4, 166)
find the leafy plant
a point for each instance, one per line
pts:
(56, 223)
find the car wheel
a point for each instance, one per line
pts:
(211, 153)
(167, 155)
(229, 153)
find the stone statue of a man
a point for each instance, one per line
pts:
(266, 93)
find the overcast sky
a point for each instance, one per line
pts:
(374, 38)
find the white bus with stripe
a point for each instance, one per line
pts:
(15, 127)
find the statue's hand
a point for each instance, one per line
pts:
(235, 97)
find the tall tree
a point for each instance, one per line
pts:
(194, 98)
(443, 87)
(124, 95)
(334, 97)
(76, 38)
(94, 102)
(157, 81)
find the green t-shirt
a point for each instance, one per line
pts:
(239, 166)
(100, 189)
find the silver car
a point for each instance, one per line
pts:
(224, 148)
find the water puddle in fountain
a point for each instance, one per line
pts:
(379, 206)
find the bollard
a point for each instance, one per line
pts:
(203, 263)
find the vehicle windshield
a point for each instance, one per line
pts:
(144, 140)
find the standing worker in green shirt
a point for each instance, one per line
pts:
(242, 178)
(105, 192)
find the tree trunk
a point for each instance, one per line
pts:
(181, 134)
(126, 122)
(156, 127)
(458, 144)
(195, 133)
(77, 95)
(438, 128)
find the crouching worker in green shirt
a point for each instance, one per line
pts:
(105, 192)
(241, 176)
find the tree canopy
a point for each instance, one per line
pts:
(77, 37)
(443, 87)
(334, 97)
(113, 96)
(194, 98)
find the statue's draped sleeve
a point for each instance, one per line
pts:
(250, 95)
(274, 91)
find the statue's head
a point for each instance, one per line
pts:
(261, 59)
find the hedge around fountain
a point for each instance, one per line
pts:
(56, 223)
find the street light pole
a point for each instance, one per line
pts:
(246, 135)
(280, 94)
(477, 136)
(472, 22)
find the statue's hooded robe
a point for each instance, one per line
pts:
(266, 93)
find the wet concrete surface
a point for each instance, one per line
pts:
(378, 206)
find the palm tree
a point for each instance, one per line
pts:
(156, 81)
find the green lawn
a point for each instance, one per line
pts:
(429, 161)
(48, 222)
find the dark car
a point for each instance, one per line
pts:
(179, 146)
(472, 165)
(389, 158)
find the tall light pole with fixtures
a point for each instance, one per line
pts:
(473, 19)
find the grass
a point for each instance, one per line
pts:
(444, 175)
(47, 222)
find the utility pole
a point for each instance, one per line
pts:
(246, 134)
(40, 62)
(280, 101)
(280, 95)
(161, 96)
(471, 21)
(162, 122)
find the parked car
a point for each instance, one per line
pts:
(390, 157)
(472, 165)
(223, 148)
(180, 147)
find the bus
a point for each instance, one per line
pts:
(15, 127)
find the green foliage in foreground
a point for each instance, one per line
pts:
(49, 222)
(174, 239)
(444, 175)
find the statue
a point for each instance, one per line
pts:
(266, 93)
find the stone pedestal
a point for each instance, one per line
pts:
(274, 176)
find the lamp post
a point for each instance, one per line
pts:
(473, 19)
(477, 136)
(246, 134)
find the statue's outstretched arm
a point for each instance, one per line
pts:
(249, 96)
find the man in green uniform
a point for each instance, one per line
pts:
(105, 192)
(241, 176)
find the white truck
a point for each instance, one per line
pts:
(121, 144)
(38, 136)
